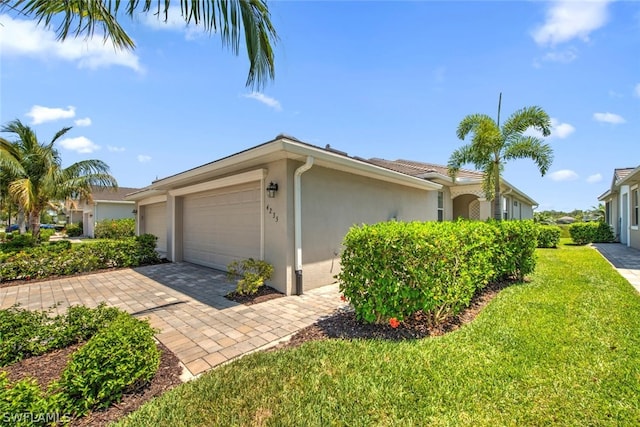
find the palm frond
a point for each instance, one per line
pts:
(525, 118)
(471, 124)
(530, 147)
(229, 18)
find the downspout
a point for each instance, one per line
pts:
(297, 219)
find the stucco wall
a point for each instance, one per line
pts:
(107, 210)
(333, 201)
(278, 226)
(634, 237)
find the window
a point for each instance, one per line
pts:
(634, 204)
(607, 212)
(440, 206)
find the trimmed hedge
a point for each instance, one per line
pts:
(549, 236)
(591, 232)
(115, 228)
(393, 269)
(43, 261)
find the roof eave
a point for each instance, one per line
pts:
(283, 147)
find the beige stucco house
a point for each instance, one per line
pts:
(291, 204)
(103, 204)
(621, 202)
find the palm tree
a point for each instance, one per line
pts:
(229, 18)
(492, 146)
(37, 177)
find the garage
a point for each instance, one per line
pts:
(222, 225)
(154, 221)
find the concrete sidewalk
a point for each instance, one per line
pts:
(625, 259)
(186, 303)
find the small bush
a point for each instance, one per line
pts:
(46, 233)
(74, 230)
(549, 236)
(115, 228)
(583, 233)
(17, 242)
(25, 333)
(253, 273)
(121, 357)
(24, 403)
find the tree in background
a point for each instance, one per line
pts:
(231, 19)
(36, 177)
(492, 146)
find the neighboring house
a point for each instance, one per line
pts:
(104, 204)
(621, 205)
(291, 204)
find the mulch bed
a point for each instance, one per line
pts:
(342, 324)
(265, 293)
(48, 367)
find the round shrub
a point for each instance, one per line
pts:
(115, 228)
(549, 236)
(74, 230)
(120, 358)
(591, 232)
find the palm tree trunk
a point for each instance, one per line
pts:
(497, 205)
(34, 222)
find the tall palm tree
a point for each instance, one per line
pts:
(493, 145)
(37, 176)
(230, 18)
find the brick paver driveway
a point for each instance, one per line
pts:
(186, 303)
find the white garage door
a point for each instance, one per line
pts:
(155, 222)
(222, 225)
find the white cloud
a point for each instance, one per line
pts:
(25, 38)
(80, 144)
(563, 175)
(565, 56)
(614, 119)
(83, 122)
(115, 149)
(266, 100)
(142, 158)
(636, 90)
(569, 19)
(594, 178)
(40, 114)
(558, 130)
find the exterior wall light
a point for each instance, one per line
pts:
(271, 189)
(135, 211)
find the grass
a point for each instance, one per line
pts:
(563, 349)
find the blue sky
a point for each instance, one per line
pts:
(374, 79)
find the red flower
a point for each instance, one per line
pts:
(343, 298)
(393, 322)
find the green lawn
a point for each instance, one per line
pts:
(563, 349)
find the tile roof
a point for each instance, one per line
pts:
(621, 173)
(412, 168)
